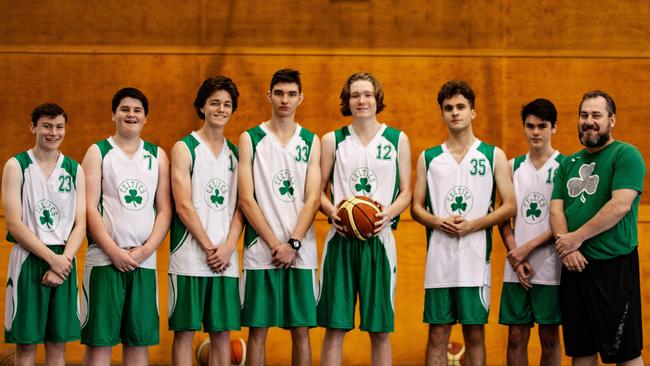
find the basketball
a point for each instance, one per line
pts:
(203, 352)
(455, 354)
(358, 217)
(237, 352)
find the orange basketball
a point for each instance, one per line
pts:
(358, 217)
(455, 354)
(237, 352)
(203, 352)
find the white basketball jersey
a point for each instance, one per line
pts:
(369, 170)
(214, 195)
(465, 189)
(279, 178)
(127, 202)
(533, 189)
(49, 203)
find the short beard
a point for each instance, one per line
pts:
(598, 141)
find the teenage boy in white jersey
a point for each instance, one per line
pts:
(454, 199)
(128, 211)
(43, 195)
(366, 158)
(279, 181)
(532, 273)
(203, 263)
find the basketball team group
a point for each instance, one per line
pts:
(569, 224)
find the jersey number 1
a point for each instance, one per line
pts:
(551, 176)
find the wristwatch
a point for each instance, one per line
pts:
(295, 243)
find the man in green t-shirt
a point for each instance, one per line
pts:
(594, 211)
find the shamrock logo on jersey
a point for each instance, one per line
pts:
(363, 186)
(215, 198)
(459, 205)
(283, 185)
(48, 215)
(286, 188)
(133, 194)
(533, 211)
(586, 183)
(46, 219)
(133, 197)
(363, 182)
(459, 201)
(534, 208)
(216, 194)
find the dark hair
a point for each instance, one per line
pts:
(286, 76)
(47, 109)
(130, 93)
(345, 92)
(454, 87)
(611, 106)
(541, 108)
(212, 85)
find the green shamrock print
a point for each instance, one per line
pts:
(133, 197)
(458, 205)
(46, 219)
(216, 198)
(286, 188)
(363, 185)
(533, 210)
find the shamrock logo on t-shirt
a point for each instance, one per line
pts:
(586, 183)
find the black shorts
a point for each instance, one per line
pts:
(601, 309)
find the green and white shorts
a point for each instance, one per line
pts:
(209, 301)
(540, 304)
(449, 305)
(278, 297)
(119, 307)
(35, 313)
(367, 268)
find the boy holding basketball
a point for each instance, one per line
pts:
(532, 273)
(203, 261)
(454, 198)
(128, 211)
(279, 181)
(366, 158)
(43, 196)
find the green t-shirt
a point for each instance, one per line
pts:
(585, 182)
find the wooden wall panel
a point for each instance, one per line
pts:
(484, 25)
(84, 85)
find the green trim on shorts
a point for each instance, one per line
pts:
(283, 298)
(209, 301)
(540, 304)
(121, 307)
(465, 305)
(354, 267)
(41, 313)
